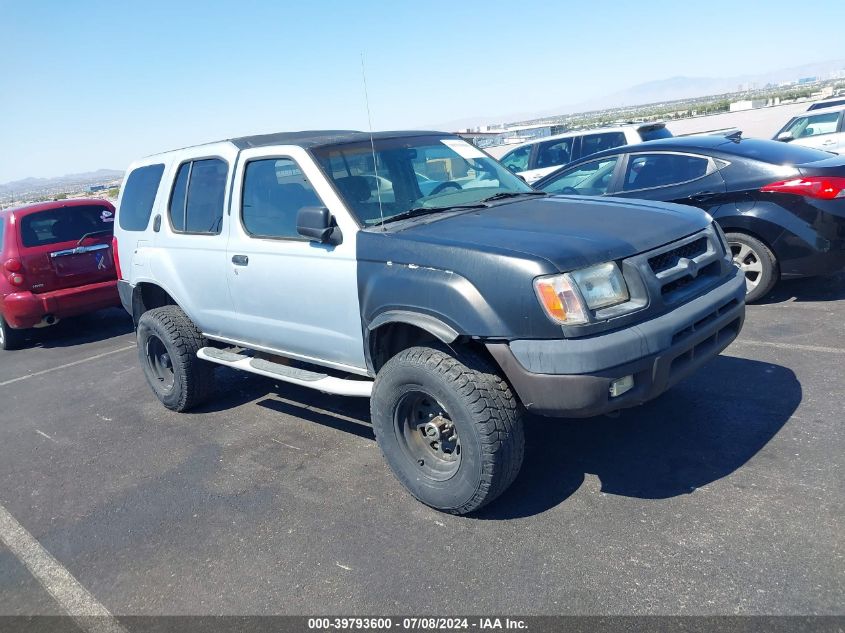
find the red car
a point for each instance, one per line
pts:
(56, 261)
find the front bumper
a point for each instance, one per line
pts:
(572, 377)
(27, 309)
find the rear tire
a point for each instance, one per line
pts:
(757, 262)
(168, 342)
(9, 337)
(449, 428)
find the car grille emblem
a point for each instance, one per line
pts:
(690, 266)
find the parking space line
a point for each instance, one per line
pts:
(792, 346)
(66, 365)
(75, 599)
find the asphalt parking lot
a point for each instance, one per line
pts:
(724, 496)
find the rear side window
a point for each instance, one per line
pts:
(646, 171)
(139, 193)
(65, 224)
(654, 133)
(554, 153)
(196, 203)
(274, 192)
(592, 143)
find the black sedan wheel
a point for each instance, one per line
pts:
(757, 262)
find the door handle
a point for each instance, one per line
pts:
(240, 260)
(701, 196)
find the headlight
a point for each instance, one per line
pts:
(567, 298)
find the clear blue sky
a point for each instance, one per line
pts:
(85, 85)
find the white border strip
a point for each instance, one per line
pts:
(65, 366)
(75, 599)
(795, 346)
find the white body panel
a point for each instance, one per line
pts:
(829, 142)
(296, 295)
(533, 175)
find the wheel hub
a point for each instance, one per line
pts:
(159, 361)
(749, 262)
(428, 435)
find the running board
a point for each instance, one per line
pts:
(295, 375)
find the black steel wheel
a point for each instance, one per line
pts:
(159, 362)
(168, 342)
(448, 426)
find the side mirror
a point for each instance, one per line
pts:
(785, 137)
(318, 225)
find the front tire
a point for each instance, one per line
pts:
(168, 342)
(757, 262)
(449, 428)
(10, 338)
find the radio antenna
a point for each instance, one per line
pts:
(372, 142)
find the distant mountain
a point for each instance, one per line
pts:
(676, 88)
(661, 90)
(70, 180)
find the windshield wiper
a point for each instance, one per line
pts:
(502, 195)
(418, 211)
(92, 234)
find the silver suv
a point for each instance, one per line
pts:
(411, 268)
(537, 158)
(822, 128)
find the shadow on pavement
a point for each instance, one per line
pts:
(88, 328)
(831, 288)
(350, 421)
(704, 429)
(700, 431)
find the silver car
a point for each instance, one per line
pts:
(822, 129)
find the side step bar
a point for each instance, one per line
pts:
(301, 377)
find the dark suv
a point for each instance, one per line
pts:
(56, 260)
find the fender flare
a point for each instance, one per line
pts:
(434, 326)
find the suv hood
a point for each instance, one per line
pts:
(568, 231)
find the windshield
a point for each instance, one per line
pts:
(420, 173)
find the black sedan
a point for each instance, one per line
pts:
(781, 206)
